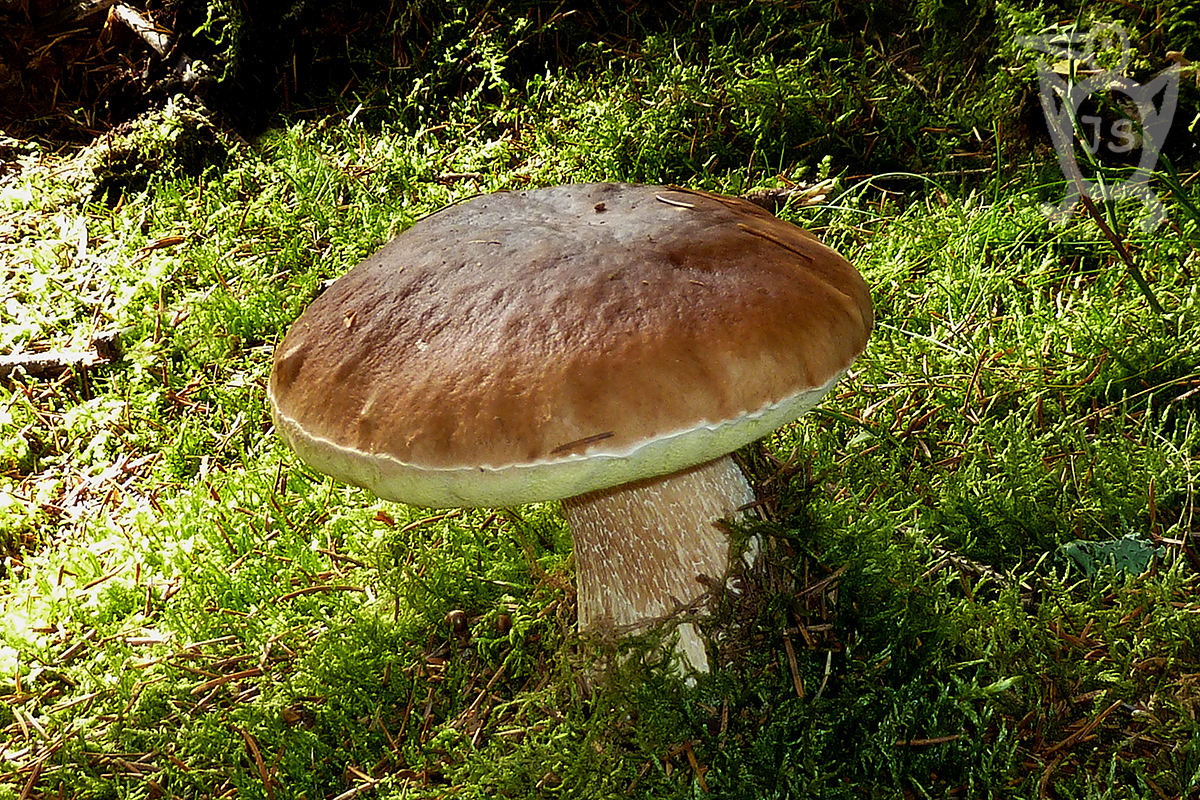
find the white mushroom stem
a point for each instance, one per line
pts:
(645, 550)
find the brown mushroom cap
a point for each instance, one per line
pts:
(536, 345)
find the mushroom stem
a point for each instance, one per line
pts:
(646, 550)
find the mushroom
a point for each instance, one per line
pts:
(607, 345)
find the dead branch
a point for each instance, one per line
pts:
(105, 348)
(158, 41)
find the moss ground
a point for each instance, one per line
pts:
(983, 554)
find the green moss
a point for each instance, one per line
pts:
(179, 592)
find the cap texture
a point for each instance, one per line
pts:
(526, 346)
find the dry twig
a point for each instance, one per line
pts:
(105, 348)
